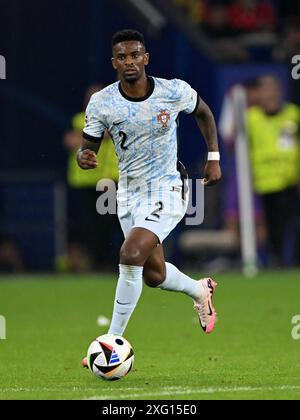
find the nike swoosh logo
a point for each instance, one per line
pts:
(210, 310)
(120, 303)
(151, 220)
(118, 123)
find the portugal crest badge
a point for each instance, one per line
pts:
(163, 117)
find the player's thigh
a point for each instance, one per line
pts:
(160, 213)
(155, 267)
(138, 246)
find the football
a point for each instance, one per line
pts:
(110, 357)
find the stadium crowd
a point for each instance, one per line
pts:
(257, 28)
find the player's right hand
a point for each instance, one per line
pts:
(87, 159)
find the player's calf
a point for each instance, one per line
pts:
(153, 278)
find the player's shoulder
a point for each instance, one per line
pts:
(173, 86)
(106, 93)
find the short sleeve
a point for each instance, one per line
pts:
(188, 97)
(94, 125)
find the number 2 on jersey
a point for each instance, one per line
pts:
(124, 138)
(159, 208)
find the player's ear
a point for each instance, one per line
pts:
(113, 63)
(146, 59)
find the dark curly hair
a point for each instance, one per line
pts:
(128, 35)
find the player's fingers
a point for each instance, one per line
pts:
(209, 182)
(91, 164)
(87, 163)
(87, 159)
(88, 154)
(88, 166)
(92, 160)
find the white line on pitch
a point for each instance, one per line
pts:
(74, 389)
(133, 392)
(190, 391)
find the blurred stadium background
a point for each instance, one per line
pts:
(55, 52)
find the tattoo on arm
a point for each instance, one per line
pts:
(207, 125)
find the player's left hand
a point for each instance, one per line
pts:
(212, 173)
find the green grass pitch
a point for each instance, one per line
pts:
(50, 322)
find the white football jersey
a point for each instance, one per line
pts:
(144, 131)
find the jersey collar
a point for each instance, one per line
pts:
(143, 98)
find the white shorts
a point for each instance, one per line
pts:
(158, 212)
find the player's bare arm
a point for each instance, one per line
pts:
(207, 125)
(87, 154)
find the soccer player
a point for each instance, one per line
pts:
(140, 112)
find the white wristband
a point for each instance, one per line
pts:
(213, 156)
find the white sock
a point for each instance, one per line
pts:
(128, 292)
(179, 282)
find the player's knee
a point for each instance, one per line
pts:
(130, 255)
(153, 278)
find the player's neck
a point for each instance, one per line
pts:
(137, 89)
